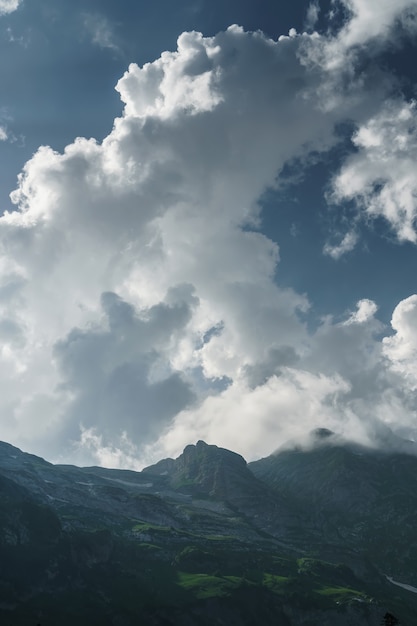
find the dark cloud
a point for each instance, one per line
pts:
(277, 358)
(108, 371)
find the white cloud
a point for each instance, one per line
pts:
(380, 175)
(369, 26)
(3, 134)
(257, 421)
(159, 204)
(366, 310)
(121, 452)
(343, 381)
(371, 19)
(137, 297)
(401, 348)
(8, 6)
(347, 244)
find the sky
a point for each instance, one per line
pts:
(208, 225)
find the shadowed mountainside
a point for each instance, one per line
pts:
(298, 538)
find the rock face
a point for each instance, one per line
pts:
(212, 471)
(203, 469)
(206, 471)
(298, 538)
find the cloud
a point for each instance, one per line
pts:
(112, 372)
(343, 382)
(362, 29)
(366, 310)
(3, 134)
(379, 401)
(140, 306)
(372, 19)
(8, 6)
(168, 199)
(350, 346)
(347, 244)
(121, 452)
(101, 31)
(401, 347)
(380, 175)
(242, 418)
(312, 16)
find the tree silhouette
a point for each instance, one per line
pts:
(389, 620)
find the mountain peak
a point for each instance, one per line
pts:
(195, 457)
(322, 433)
(205, 450)
(207, 468)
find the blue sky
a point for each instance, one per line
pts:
(209, 225)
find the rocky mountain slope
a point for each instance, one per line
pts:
(299, 538)
(352, 499)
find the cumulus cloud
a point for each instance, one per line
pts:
(342, 382)
(242, 418)
(380, 175)
(140, 307)
(168, 199)
(349, 346)
(401, 347)
(8, 6)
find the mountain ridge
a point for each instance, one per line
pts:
(312, 534)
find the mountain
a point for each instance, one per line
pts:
(206, 472)
(353, 498)
(303, 537)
